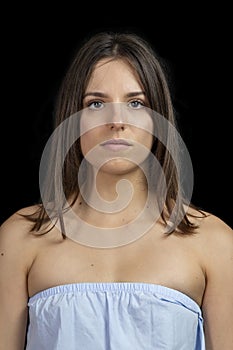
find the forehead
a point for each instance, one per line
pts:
(111, 63)
(113, 71)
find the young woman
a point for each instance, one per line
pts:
(115, 256)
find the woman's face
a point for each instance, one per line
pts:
(116, 128)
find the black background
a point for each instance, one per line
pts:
(37, 46)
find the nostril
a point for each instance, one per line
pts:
(117, 126)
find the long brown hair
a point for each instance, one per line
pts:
(152, 74)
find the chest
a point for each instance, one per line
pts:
(166, 262)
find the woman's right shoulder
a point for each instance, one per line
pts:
(18, 245)
(17, 226)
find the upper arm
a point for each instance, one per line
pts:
(218, 298)
(13, 285)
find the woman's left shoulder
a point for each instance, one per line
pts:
(215, 231)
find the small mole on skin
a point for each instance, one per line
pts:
(92, 264)
(2, 254)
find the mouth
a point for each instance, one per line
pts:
(116, 144)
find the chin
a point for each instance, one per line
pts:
(119, 167)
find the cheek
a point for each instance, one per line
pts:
(149, 133)
(144, 137)
(89, 140)
(86, 141)
(149, 139)
(144, 131)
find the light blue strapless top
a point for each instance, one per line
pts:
(114, 316)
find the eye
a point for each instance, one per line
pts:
(136, 104)
(95, 104)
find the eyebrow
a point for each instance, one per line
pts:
(101, 94)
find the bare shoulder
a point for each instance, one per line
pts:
(15, 234)
(17, 229)
(216, 238)
(17, 224)
(214, 228)
(209, 224)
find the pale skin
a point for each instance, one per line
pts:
(200, 265)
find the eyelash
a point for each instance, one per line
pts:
(90, 103)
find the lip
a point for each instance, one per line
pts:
(116, 144)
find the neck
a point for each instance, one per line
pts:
(117, 197)
(110, 187)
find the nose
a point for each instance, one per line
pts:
(117, 120)
(116, 126)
